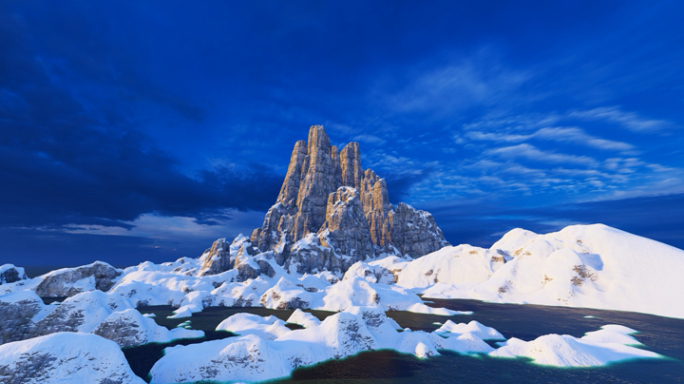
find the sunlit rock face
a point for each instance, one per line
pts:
(331, 213)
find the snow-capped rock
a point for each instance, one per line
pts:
(610, 344)
(241, 294)
(65, 358)
(285, 294)
(10, 274)
(71, 281)
(81, 313)
(372, 273)
(129, 328)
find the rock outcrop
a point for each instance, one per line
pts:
(68, 282)
(331, 213)
(10, 274)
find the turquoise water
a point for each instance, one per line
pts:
(659, 334)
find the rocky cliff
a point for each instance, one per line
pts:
(330, 213)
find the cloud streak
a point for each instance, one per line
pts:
(530, 152)
(629, 120)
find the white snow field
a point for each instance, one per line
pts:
(65, 357)
(593, 266)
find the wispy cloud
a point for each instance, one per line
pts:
(559, 134)
(480, 79)
(369, 139)
(629, 120)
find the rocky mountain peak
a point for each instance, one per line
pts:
(327, 198)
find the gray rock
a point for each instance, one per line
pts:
(310, 256)
(62, 283)
(414, 232)
(346, 229)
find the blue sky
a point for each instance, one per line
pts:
(133, 132)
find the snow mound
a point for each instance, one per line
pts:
(304, 319)
(268, 328)
(610, 344)
(65, 358)
(474, 327)
(373, 273)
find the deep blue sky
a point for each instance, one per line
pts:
(134, 131)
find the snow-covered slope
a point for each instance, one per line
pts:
(65, 358)
(592, 266)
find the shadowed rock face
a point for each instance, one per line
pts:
(327, 193)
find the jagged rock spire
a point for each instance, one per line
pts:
(328, 195)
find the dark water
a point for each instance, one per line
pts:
(659, 334)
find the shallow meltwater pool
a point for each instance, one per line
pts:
(664, 336)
